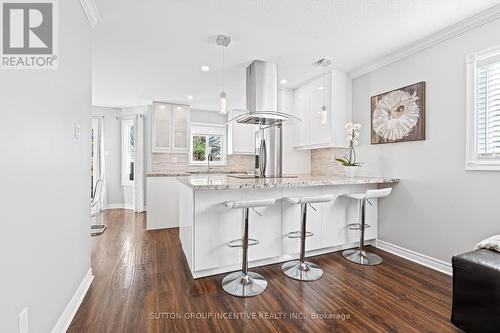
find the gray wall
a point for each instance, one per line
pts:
(45, 246)
(438, 209)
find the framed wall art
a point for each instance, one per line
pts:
(399, 115)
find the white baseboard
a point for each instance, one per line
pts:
(73, 305)
(119, 206)
(422, 259)
(123, 206)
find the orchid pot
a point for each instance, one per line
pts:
(350, 171)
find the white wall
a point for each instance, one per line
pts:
(438, 209)
(206, 116)
(112, 153)
(45, 246)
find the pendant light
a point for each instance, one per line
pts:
(223, 41)
(324, 112)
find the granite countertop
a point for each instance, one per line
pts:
(211, 182)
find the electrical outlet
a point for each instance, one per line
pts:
(23, 321)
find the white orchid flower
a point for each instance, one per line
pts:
(349, 125)
(349, 139)
(357, 126)
(355, 142)
(356, 134)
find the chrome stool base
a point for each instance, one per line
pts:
(362, 257)
(302, 271)
(241, 285)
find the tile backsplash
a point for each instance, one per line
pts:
(323, 161)
(179, 162)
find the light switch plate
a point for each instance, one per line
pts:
(23, 321)
(77, 130)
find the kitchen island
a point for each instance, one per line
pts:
(206, 224)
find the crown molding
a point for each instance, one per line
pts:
(453, 31)
(90, 9)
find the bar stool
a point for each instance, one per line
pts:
(300, 269)
(359, 255)
(245, 283)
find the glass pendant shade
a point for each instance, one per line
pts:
(223, 103)
(324, 115)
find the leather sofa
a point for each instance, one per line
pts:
(476, 291)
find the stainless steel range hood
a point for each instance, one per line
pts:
(262, 96)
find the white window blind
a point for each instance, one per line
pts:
(488, 110)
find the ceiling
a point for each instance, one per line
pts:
(153, 49)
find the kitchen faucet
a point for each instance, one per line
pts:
(209, 161)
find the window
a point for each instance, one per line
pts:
(128, 150)
(483, 110)
(208, 140)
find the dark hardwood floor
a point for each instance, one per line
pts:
(142, 284)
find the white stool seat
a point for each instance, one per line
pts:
(249, 203)
(310, 200)
(370, 194)
(245, 283)
(301, 269)
(359, 255)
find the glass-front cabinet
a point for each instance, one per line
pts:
(170, 127)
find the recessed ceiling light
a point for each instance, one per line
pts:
(321, 88)
(284, 81)
(205, 68)
(162, 106)
(190, 97)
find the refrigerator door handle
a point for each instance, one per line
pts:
(262, 158)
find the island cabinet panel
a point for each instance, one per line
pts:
(342, 211)
(266, 228)
(291, 220)
(186, 219)
(215, 225)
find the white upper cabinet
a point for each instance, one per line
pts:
(241, 137)
(322, 128)
(302, 130)
(180, 127)
(170, 130)
(320, 120)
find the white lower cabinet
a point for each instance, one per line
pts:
(266, 228)
(291, 220)
(336, 215)
(207, 225)
(163, 203)
(215, 225)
